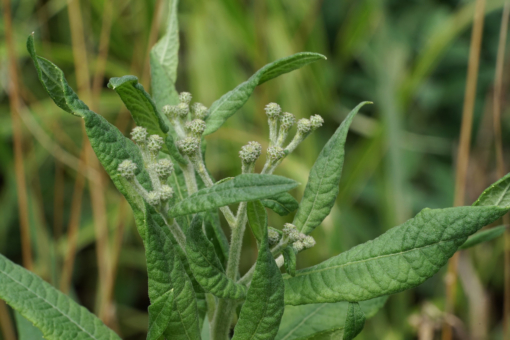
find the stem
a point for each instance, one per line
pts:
(189, 178)
(273, 131)
(177, 232)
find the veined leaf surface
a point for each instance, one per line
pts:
(497, 194)
(354, 322)
(257, 218)
(282, 204)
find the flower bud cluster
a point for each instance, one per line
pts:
(273, 111)
(127, 169)
(273, 236)
(189, 146)
(275, 153)
(250, 152)
(196, 127)
(199, 110)
(154, 144)
(299, 240)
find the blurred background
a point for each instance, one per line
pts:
(410, 57)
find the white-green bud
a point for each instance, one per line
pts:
(127, 169)
(182, 110)
(169, 110)
(316, 122)
(155, 143)
(166, 192)
(295, 236)
(250, 152)
(304, 126)
(308, 242)
(275, 153)
(199, 110)
(164, 168)
(185, 97)
(288, 228)
(273, 236)
(273, 110)
(196, 127)
(139, 135)
(189, 145)
(287, 120)
(154, 198)
(298, 246)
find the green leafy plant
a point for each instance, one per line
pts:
(195, 288)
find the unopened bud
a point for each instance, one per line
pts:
(288, 228)
(196, 127)
(189, 145)
(166, 192)
(250, 152)
(139, 135)
(155, 143)
(287, 120)
(182, 110)
(295, 236)
(164, 168)
(154, 198)
(273, 236)
(308, 242)
(304, 126)
(298, 246)
(275, 153)
(169, 110)
(185, 97)
(127, 169)
(199, 110)
(273, 110)
(316, 122)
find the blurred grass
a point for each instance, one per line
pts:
(409, 57)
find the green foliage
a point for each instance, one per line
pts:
(354, 322)
(289, 256)
(257, 218)
(26, 329)
(483, 236)
(282, 204)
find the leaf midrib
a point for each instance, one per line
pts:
(303, 321)
(503, 195)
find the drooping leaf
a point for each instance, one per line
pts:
(282, 204)
(164, 58)
(354, 322)
(26, 329)
(140, 104)
(257, 218)
(322, 187)
(229, 103)
(289, 256)
(160, 312)
(400, 259)
(166, 272)
(41, 304)
(483, 236)
(497, 194)
(246, 187)
(322, 319)
(206, 266)
(263, 309)
(216, 236)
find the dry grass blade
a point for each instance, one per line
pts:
(6, 324)
(153, 36)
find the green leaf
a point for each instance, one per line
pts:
(282, 204)
(140, 104)
(289, 256)
(354, 322)
(316, 321)
(322, 187)
(257, 217)
(263, 309)
(205, 265)
(26, 329)
(166, 272)
(164, 58)
(497, 194)
(229, 103)
(42, 305)
(246, 187)
(216, 236)
(401, 258)
(160, 312)
(483, 236)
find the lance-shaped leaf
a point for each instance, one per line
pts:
(164, 60)
(497, 194)
(160, 312)
(263, 309)
(140, 104)
(483, 236)
(41, 304)
(401, 258)
(166, 273)
(229, 103)
(246, 187)
(322, 187)
(289, 256)
(354, 322)
(282, 204)
(206, 266)
(257, 218)
(216, 236)
(321, 319)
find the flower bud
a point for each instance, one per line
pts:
(153, 198)
(185, 97)
(273, 110)
(288, 228)
(199, 110)
(275, 153)
(139, 135)
(196, 127)
(182, 110)
(189, 145)
(169, 110)
(166, 192)
(298, 246)
(304, 126)
(316, 122)
(250, 152)
(164, 168)
(286, 121)
(273, 236)
(155, 143)
(308, 242)
(127, 169)
(294, 236)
